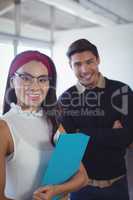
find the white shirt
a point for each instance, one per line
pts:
(31, 133)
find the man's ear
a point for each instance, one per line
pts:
(11, 82)
(98, 60)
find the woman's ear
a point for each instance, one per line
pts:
(11, 82)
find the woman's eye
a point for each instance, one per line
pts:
(25, 78)
(43, 79)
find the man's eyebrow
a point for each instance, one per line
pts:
(76, 61)
(89, 59)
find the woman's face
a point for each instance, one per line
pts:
(31, 84)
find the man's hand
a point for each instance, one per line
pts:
(117, 124)
(130, 146)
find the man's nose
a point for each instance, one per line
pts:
(84, 68)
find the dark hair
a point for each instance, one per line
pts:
(80, 46)
(49, 105)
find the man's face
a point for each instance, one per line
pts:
(85, 67)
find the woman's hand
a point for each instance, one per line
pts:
(79, 180)
(44, 193)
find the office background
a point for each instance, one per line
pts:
(51, 25)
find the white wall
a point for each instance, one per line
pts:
(115, 45)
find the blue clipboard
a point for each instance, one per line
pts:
(65, 159)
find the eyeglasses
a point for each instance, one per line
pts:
(28, 79)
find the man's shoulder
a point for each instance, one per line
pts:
(115, 84)
(69, 91)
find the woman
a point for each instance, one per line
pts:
(27, 129)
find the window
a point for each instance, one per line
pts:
(6, 55)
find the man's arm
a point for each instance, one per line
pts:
(115, 137)
(121, 134)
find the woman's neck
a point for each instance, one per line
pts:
(28, 108)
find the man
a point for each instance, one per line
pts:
(101, 108)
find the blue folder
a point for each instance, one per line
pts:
(65, 159)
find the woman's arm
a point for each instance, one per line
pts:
(75, 183)
(5, 149)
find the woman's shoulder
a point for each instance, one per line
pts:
(3, 125)
(5, 136)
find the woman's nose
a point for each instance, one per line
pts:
(34, 83)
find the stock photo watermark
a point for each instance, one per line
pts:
(87, 104)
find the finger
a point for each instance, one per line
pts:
(43, 189)
(117, 124)
(36, 198)
(130, 146)
(39, 196)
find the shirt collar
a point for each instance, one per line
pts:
(17, 109)
(101, 84)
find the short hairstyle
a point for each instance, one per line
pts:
(80, 46)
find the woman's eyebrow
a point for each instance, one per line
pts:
(27, 73)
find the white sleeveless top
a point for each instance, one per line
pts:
(31, 134)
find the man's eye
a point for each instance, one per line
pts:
(89, 62)
(77, 64)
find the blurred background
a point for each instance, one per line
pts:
(51, 25)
